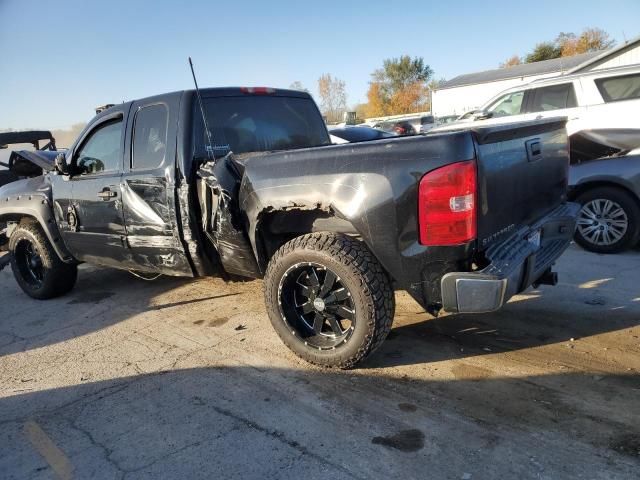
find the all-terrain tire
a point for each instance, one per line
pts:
(631, 208)
(54, 278)
(361, 274)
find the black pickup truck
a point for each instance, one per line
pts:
(462, 221)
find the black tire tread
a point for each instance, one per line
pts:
(374, 281)
(60, 276)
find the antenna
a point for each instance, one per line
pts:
(204, 118)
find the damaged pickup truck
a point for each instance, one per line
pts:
(250, 186)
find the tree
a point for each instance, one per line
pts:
(333, 97)
(511, 62)
(544, 51)
(568, 44)
(400, 86)
(399, 73)
(297, 85)
(590, 40)
(376, 105)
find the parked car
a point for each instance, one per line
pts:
(599, 100)
(608, 189)
(445, 120)
(253, 188)
(426, 123)
(403, 128)
(359, 134)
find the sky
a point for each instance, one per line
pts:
(60, 59)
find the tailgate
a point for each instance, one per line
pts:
(522, 175)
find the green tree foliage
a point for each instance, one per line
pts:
(544, 51)
(568, 44)
(400, 86)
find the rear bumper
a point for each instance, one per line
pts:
(515, 264)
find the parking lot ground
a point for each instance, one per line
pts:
(186, 379)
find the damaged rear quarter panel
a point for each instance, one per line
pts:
(372, 185)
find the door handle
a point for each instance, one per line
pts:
(106, 194)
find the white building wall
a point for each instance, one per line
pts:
(630, 57)
(458, 100)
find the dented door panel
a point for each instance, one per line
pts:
(149, 189)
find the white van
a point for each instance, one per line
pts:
(596, 100)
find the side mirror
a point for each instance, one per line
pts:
(60, 164)
(482, 115)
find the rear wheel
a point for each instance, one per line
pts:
(609, 221)
(329, 299)
(36, 266)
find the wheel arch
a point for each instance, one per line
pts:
(36, 210)
(583, 187)
(274, 228)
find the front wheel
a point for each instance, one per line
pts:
(609, 221)
(36, 266)
(329, 299)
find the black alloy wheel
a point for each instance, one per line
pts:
(316, 305)
(29, 263)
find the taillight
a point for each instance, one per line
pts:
(447, 205)
(258, 90)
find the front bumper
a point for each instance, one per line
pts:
(515, 264)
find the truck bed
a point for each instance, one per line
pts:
(373, 188)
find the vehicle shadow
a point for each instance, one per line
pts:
(586, 306)
(101, 297)
(265, 422)
(532, 322)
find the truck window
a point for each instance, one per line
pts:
(101, 150)
(625, 87)
(149, 137)
(509, 104)
(254, 123)
(553, 97)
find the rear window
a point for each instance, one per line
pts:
(625, 87)
(426, 120)
(150, 137)
(553, 97)
(254, 123)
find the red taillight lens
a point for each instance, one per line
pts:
(447, 205)
(258, 90)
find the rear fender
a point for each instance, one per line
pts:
(368, 190)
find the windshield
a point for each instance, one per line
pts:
(252, 123)
(509, 104)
